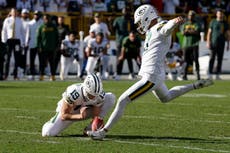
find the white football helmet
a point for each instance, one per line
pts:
(143, 17)
(92, 85)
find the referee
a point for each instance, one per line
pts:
(12, 35)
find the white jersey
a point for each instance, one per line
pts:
(8, 28)
(74, 95)
(101, 27)
(97, 49)
(25, 25)
(71, 48)
(33, 27)
(156, 46)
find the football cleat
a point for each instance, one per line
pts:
(97, 135)
(202, 83)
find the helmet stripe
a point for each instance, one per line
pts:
(98, 87)
(94, 78)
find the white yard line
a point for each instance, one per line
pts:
(26, 110)
(120, 141)
(26, 117)
(211, 114)
(20, 132)
(45, 141)
(218, 137)
(172, 146)
(169, 118)
(196, 95)
(34, 97)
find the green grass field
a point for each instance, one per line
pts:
(197, 122)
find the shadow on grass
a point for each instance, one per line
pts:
(156, 138)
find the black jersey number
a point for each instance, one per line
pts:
(74, 94)
(98, 50)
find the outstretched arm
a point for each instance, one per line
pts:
(171, 25)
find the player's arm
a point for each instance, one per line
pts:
(67, 115)
(209, 38)
(170, 25)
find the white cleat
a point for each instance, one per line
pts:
(203, 83)
(97, 135)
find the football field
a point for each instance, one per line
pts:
(198, 122)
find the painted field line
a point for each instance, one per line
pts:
(26, 110)
(196, 95)
(171, 146)
(26, 117)
(212, 114)
(169, 118)
(47, 141)
(220, 137)
(29, 96)
(20, 132)
(119, 141)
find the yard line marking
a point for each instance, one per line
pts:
(29, 96)
(218, 137)
(20, 132)
(26, 110)
(47, 141)
(196, 95)
(168, 118)
(119, 141)
(171, 146)
(26, 117)
(211, 114)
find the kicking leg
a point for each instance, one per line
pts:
(165, 95)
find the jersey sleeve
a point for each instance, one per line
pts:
(166, 27)
(71, 95)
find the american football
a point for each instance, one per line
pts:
(97, 123)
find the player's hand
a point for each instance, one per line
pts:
(120, 58)
(208, 45)
(179, 20)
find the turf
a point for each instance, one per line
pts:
(196, 122)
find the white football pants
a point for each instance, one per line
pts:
(66, 62)
(55, 125)
(140, 88)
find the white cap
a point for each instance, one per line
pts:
(25, 11)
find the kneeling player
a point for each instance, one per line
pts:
(79, 102)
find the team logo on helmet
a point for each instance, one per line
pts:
(141, 12)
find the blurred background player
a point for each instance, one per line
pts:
(34, 24)
(79, 102)
(13, 36)
(130, 51)
(100, 27)
(23, 60)
(191, 31)
(218, 33)
(63, 31)
(174, 61)
(70, 52)
(47, 42)
(97, 54)
(121, 26)
(86, 40)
